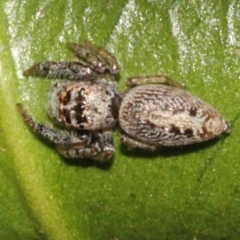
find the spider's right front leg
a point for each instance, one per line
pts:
(74, 144)
(100, 147)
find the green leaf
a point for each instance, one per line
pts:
(187, 193)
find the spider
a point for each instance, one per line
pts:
(85, 107)
(88, 105)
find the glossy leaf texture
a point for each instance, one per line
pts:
(178, 193)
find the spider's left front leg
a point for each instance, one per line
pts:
(93, 60)
(68, 70)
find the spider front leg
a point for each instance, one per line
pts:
(73, 144)
(68, 70)
(98, 57)
(104, 141)
(94, 60)
(99, 148)
(156, 79)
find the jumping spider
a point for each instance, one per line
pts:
(85, 107)
(88, 106)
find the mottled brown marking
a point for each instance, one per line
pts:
(80, 117)
(205, 133)
(65, 98)
(188, 132)
(176, 111)
(65, 114)
(128, 105)
(81, 97)
(174, 130)
(193, 112)
(151, 124)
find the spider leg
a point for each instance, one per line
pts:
(98, 57)
(57, 137)
(133, 143)
(68, 70)
(74, 144)
(99, 148)
(94, 60)
(155, 79)
(106, 140)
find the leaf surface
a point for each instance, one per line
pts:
(192, 192)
